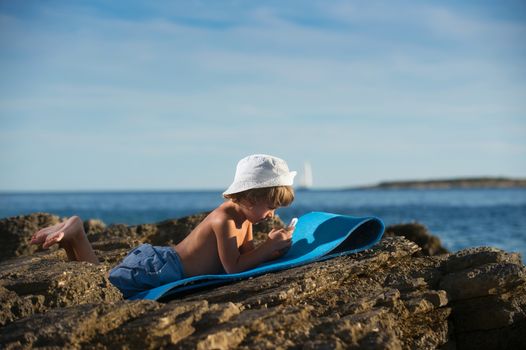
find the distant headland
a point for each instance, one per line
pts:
(473, 182)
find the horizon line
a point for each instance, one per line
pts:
(296, 188)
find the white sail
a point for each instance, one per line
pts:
(306, 179)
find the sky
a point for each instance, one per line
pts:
(169, 95)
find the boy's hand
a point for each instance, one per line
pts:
(281, 238)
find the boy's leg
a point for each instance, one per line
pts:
(75, 237)
(72, 238)
(69, 251)
(41, 235)
(57, 238)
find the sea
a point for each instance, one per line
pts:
(461, 218)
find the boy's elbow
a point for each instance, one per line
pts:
(230, 270)
(233, 267)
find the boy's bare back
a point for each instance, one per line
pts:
(199, 251)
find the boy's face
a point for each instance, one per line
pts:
(259, 211)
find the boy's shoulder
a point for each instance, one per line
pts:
(225, 212)
(225, 209)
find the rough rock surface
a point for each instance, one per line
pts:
(15, 231)
(418, 233)
(390, 297)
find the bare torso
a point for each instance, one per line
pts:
(199, 251)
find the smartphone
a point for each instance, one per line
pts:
(292, 223)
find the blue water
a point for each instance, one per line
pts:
(461, 218)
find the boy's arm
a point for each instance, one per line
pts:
(248, 243)
(231, 259)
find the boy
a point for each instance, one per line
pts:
(222, 242)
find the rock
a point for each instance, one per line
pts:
(487, 287)
(472, 257)
(491, 312)
(483, 280)
(512, 337)
(419, 234)
(15, 233)
(13, 307)
(45, 281)
(388, 297)
(72, 327)
(94, 226)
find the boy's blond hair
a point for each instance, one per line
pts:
(277, 196)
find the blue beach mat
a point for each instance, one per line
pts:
(318, 236)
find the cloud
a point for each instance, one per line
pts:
(340, 78)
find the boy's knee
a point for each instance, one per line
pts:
(75, 220)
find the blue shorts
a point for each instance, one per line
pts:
(146, 267)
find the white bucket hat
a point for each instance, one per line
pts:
(258, 171)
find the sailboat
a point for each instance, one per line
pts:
(306, 178)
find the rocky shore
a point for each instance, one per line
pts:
(407, 292)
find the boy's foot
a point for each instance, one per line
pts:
(41, 235)
(69, 235)
(52, 239)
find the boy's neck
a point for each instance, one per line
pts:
(240, 210)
